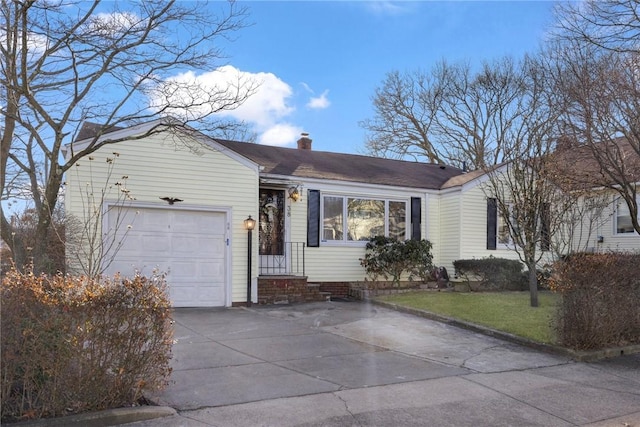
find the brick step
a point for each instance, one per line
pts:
(314, 293)
(289, 290)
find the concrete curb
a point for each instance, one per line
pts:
(579, 356)
(108, 417)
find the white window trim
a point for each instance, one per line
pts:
(345, 218)
(616, 201)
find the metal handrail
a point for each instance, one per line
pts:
(290, 263)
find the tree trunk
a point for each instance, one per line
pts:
(533, 284)
(39, 250)
(41, 261)
(9, 125)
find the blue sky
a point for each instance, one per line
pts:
(320, 62)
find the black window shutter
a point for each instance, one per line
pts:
(313, 218)
(545, 222)
(416, 217)
(492, 223)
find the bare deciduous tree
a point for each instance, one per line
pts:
(502, 119)
(531, 206)
(612, 25)
(90, 245)
(598, 71)
(452, 114)
(405, 107)
(114, 63)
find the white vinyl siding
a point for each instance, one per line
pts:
(597, 231)
(163, 166)
(449, 230)
(431, 205)
(474, 227)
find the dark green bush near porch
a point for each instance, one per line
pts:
(389, 258)
(600, 304)
(492, 273)
(72, 344)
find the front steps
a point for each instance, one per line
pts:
(289, 290)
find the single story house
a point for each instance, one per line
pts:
(188, 197)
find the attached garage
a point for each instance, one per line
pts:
(187, 244)
(200, 242)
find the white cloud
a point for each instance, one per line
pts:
(268, 104)
(190, 96)
(319, 102)
(266, 110)
(307, 88)
(280, 134)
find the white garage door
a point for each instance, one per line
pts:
(187, 245)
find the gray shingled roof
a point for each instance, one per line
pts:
(90, 130)
(459, 180)
(325, 165)
(343, 167)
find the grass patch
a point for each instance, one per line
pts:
(505, 311)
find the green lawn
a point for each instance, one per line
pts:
(504, 311)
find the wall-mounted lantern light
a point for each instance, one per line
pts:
(249, 225)
(294, 194)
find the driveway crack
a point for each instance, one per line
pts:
(479, 353)
(346, 408)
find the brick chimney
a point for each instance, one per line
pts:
(304, 143)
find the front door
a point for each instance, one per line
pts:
(271, 233)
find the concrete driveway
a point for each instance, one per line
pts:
(357, 364)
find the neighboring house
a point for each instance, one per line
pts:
(576, 169)
(315, 212)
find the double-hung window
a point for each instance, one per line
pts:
(504, 235)
(348, 219)
(498, 228)
(623, 224)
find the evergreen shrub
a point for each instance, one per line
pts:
(491, 273)
(390, 258)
